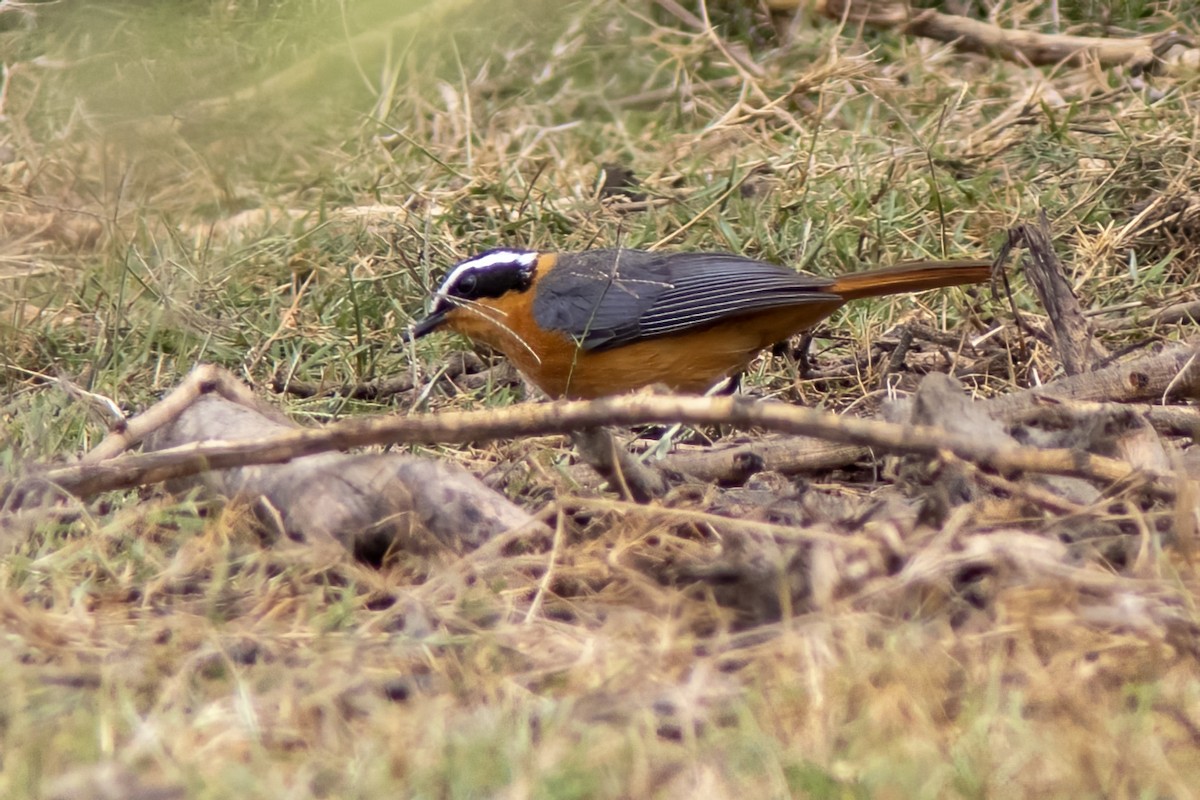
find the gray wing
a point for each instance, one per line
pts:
(656, 294)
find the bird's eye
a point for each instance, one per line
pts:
(467, 283)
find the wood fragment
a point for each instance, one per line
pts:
(1168, 420)
(1186, 313)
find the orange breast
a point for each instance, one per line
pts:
(692, 361)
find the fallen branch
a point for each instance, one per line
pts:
(1142, 379)
(1186, 313)
(1022, 47)
(566, 416)
(465, 367)
(1167, 420)
(1170, 373)
(786, 454)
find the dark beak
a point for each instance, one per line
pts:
(425, 326)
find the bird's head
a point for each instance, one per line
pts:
(487, 275)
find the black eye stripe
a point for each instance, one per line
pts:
(491, 280)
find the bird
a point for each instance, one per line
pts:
(602, 322)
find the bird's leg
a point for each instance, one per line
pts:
(726, 386)
(803, 361)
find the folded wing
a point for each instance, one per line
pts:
(607, 298)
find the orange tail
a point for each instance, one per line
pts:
(915, 276)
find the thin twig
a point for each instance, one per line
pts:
(565, 416)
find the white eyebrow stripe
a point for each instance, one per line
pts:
(526, 258)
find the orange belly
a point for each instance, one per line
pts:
(689, 362)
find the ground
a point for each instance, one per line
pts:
(275, 186)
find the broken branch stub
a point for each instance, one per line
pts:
(1076, 346)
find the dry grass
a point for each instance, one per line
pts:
(234, 187)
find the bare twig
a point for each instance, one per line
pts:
(101, 406)
(544, 584)
(746, 527)
(1169, 420)
(841, 440)
(786, 454)
(654, 98)
(1186, 313)
(566, 416)
(1026, 490)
